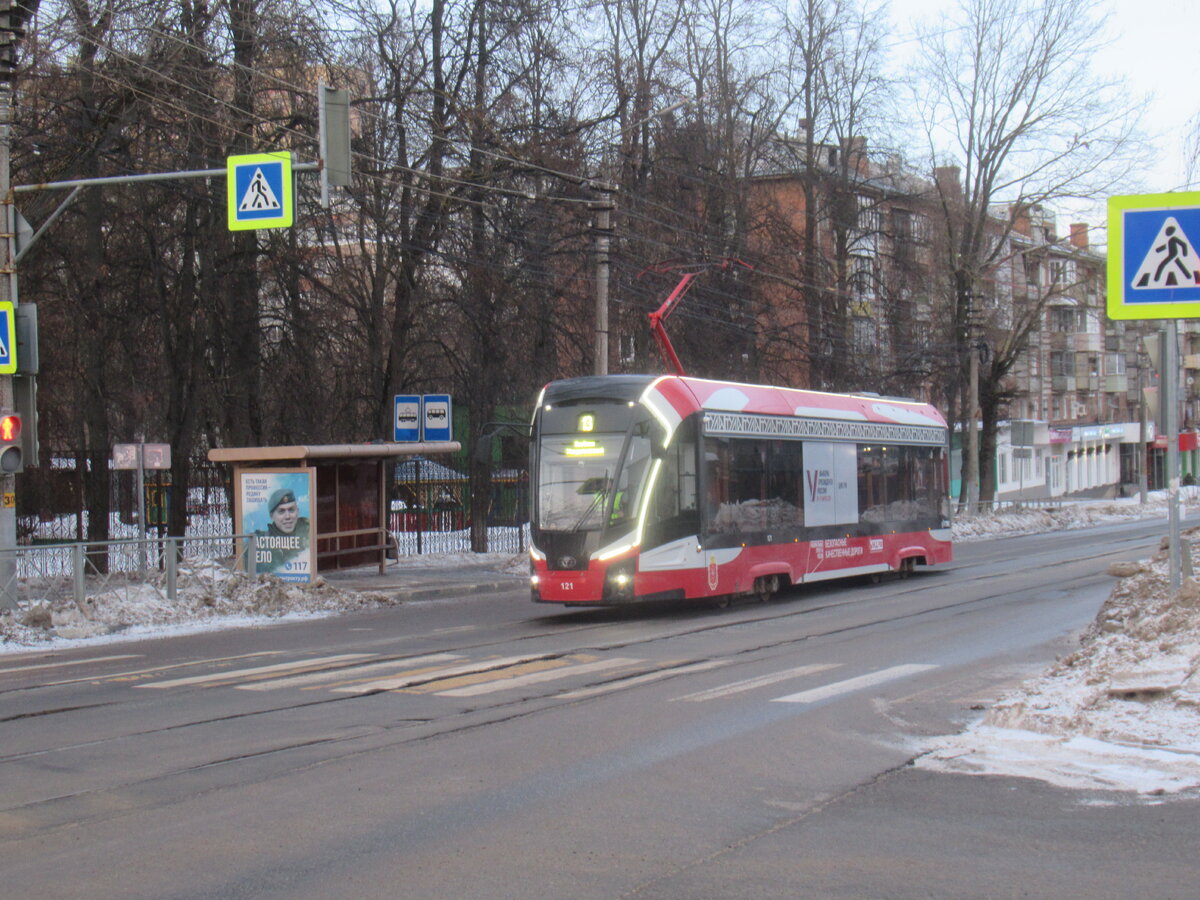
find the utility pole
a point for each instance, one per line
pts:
(603, 208)
(13, 16)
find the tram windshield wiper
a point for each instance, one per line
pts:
(598, 503)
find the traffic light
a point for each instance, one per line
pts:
(11, 459)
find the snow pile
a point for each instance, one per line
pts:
(1028, 520)
(1121, 712)
(207, 593)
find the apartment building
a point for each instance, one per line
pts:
(1076, 420)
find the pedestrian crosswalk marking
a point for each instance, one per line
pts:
(72, 662)
(348, 675)
(518, 681)
(669, 671)
(400, 682)
(750, 684)
(297, 666)
(854, 684)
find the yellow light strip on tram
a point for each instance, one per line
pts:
(636, 538)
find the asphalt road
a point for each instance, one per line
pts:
(486, 747)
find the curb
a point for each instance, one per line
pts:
(435, 592)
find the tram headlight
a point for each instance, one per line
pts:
(618, 583)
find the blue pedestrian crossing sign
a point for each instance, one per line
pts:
(259, 191)
(8, 338)
(1154, 256)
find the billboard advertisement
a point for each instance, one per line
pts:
(276, 506)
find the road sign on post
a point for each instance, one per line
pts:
(436, 417)
(407, 418)
(1154, 273)
(8, 338)
(259, 191)
(1153, 256)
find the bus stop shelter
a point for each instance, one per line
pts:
(316, 508)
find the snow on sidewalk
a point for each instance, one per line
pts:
(1122, 712)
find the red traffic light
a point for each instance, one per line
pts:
(10, 428)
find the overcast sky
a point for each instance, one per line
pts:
(1154, 47)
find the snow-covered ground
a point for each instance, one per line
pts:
(1122, 712)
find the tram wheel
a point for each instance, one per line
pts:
(766, 586)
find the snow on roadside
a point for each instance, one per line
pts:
(1068, 515)
(1122, 712)
(209, 597)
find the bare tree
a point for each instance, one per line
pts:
(1006, 95)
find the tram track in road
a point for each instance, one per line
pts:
(387, 728)
(698, 621)
(745, 616)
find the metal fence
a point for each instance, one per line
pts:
(431, 508)
(127, 568)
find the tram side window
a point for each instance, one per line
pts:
(899, 484)
(753, 485)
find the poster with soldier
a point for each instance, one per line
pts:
(276, 507)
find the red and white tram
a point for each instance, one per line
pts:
(666, 487)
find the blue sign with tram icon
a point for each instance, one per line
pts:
(407, 418)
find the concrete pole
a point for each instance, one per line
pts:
(603, 208)
(8, 291)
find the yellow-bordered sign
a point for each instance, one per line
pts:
(259, 191)
(1153, 256)
(8, 338)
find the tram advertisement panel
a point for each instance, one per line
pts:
(830, 484)
(276, 506)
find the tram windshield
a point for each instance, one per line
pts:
(583, 485)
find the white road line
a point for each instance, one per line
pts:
(403, 681)
(854, 684)
(117, 676)
(345, 673)
(643, 679)
(74, 662)
(517, 681)
(762, 681)
(299, 665)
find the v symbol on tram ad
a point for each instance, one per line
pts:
(276, 507)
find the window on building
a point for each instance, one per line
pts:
(1033, 273)
(1061, 319)
(862, 275)
(864, 334)
(1062, 363)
